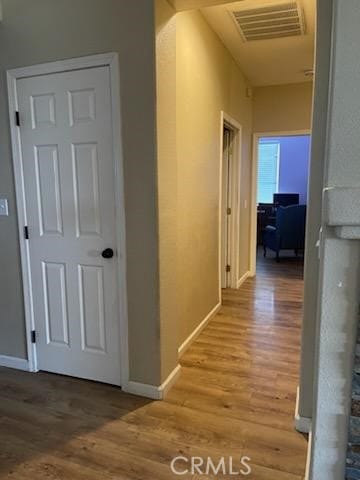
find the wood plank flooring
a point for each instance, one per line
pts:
(236, 397)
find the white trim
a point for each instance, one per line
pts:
(142, 390)
(120, 216)
(14, 362)
(242, 279)
(254, 172)
(110, 60)
(302, 424)
(151, 391)
(170, 381)
(22, 220)
(193, 336)
(284, 133)
(220, 220)
(308, 456)
(80, 63)
(278, 165)
(227, 120)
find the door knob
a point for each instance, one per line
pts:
(107, 253)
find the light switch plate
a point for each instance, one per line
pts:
(4, 209)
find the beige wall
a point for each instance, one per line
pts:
(167, 182)
(283, 107)
(208, 81)
(46, 30)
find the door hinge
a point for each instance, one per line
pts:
(228, 268)
(33, 336)
(228, 211)
(17, 119)
(26, 232)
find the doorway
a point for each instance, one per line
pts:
(228, 139)
(70, 210)
(280, 179)
(229, 201)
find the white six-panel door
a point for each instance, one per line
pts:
(67, 157)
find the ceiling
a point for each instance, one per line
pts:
(264, 62)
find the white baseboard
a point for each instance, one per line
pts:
(170, 381)
(14, 362)
(242, 279)
(192, 337)
(152, 391)
(302, 424)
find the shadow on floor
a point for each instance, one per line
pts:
(45, 413)
(290, 265)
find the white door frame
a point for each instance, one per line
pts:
(110, 60)
(235, 179)
(254, 175)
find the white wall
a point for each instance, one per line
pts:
(318, 152)
(340, 259)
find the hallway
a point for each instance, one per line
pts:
(235, 397)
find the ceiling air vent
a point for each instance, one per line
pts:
(278, 20)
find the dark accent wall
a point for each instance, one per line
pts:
(294, 164)
(38, 31)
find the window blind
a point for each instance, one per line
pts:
(268, 171)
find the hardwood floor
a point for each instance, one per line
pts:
(236, 397)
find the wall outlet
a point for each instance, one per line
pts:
(4, 209)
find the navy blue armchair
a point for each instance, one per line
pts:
(289, 232)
